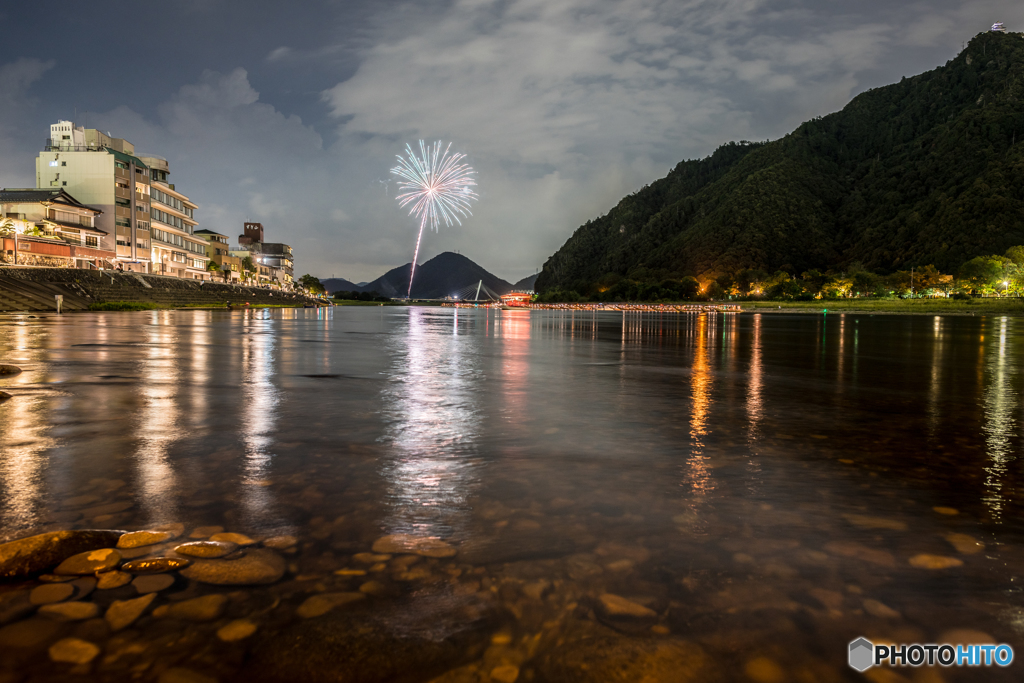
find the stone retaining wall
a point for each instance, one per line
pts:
(109, 285)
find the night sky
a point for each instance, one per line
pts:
(291, 114)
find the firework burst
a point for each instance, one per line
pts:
(437, 186)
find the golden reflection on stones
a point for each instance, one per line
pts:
(764, 670)
(927, 561)
(965, 544)
(238, 629)
(867, 522)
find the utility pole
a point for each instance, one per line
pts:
(911, 282)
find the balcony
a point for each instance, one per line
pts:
(122, 192)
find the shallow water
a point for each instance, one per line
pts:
(764, 485)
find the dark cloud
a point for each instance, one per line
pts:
(294, 116)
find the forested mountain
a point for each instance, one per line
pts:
(924, 171)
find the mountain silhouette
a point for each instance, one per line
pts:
(444, 275)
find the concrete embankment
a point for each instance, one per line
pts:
(34, 289)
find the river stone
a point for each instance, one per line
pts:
(180, 675)
(592, 654)
(238, 629)
(281, 542)
(152, 583)
(114, 579)
(138, 539)
(53, 578)
(206, 549)
(70, 611)
(73, 651)
(90, 562)
(84, 587)
(407, 643)
(51, 592)
(15, 605)
(205, 531)
(205, 608)
(122, 613)
(618, 606)
(318, 605)
(156, 565)
(38, 554)
(79, 501)
(259, 566)
(108, 509)
(29, 633)
(926, 561)
(240, 540)
(9, 370)
(401, 544)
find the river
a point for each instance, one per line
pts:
(678, 496)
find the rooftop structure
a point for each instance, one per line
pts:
(998, 27)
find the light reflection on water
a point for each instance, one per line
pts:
(431, 422)
(1000, 427)
(696, 439)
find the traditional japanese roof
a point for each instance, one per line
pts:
(41, 195)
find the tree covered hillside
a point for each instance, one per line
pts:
(925, 171)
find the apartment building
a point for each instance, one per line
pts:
(103, 172)
(176, 249)
(146, 222)
(219, 251)
(275, 258)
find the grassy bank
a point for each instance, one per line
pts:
(1010, 306)
(348, 302)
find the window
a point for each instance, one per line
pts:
(63, 163)
(123, 243)
(142, 244)
(92, 241)
(121, 164)
(64, 182)
(53, 163)
(123, 222)
(123, 202)
(179, 257)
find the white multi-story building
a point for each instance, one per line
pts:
(147, 222)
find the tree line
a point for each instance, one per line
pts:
(981, 276)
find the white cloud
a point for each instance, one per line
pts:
(278, 54)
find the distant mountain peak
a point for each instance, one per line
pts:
(444, 275)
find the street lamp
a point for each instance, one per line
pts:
(1006, 287)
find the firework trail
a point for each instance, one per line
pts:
(437, 185)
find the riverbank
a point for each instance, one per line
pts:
(35, 289)
(967, 307)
